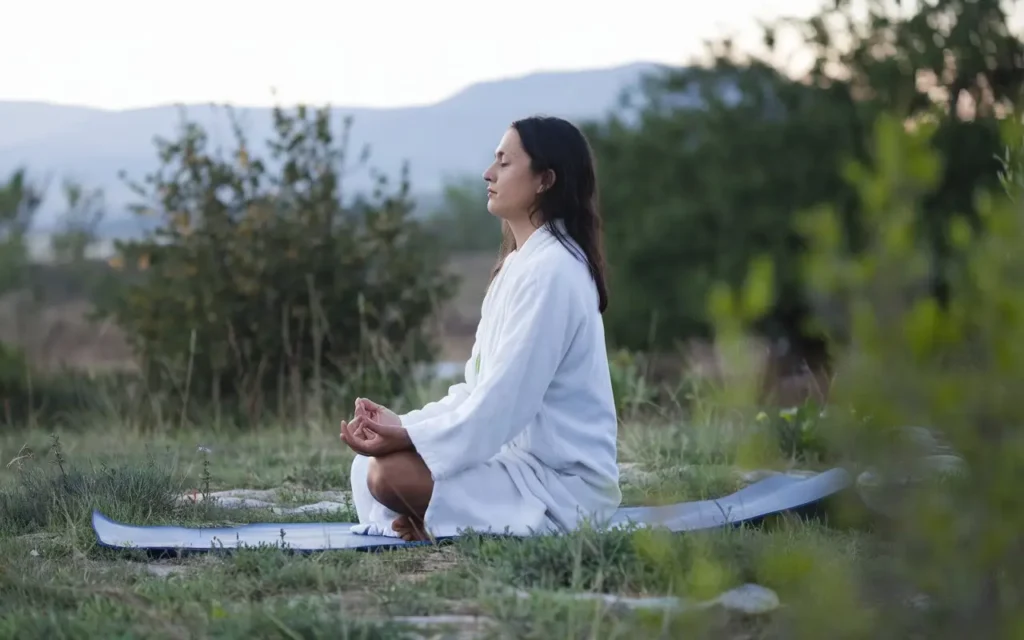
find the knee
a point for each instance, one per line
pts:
(379, 481)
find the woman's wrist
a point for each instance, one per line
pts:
(406, 441)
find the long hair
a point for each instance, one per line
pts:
(556, 145)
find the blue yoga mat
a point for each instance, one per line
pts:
(774, 494)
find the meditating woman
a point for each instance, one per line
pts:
(527, 443)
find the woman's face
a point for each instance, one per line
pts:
(512, 187)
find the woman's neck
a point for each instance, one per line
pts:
(522, 229)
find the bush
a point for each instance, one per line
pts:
(257, 285)
(951, 361)
(13, 382)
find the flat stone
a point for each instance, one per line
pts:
(319, 507)
(265, 495)
(450, 627)
(756, 475)
(750, 599)
(928, 441)
(424, 621)
(885, 493)
(335, 496)
(633, 473)
(328, 501)
(230, 502)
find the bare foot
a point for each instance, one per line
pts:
(408, 530)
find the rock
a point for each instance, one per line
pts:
(928, 441)
(920, 601)
(454, 626)
(633, 473)
(319, 507)
(329, 501)
(756, 475)
(749, 599)
(886, 493)
(336, 496)
(231, 502)
(264, 495)
(424, 621)
(233, 495)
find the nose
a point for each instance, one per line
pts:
(488, 175)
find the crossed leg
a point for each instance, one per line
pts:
(401, 482)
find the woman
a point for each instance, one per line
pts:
(527, 443)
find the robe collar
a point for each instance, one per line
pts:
(539, 238)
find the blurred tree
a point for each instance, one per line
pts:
(704, 168)
(77, 228)
(954, 63)
(20, 199)
(257, 286)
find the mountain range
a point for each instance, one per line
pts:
(448, 139)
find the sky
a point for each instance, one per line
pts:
(121, 54)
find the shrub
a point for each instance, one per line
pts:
(258, 284)
(950, 361)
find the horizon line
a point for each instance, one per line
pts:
(270, 105)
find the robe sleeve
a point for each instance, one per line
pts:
(509, 394)
(457, 394)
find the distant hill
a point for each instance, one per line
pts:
(450, 138)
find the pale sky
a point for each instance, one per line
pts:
(119, 54)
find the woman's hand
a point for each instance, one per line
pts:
(376, 412)
(370, 438)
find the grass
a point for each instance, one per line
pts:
(56, 582)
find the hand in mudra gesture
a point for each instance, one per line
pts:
(375, 431)
(376, 412)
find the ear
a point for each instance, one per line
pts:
(547, 180)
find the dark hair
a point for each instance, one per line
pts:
(556, 145)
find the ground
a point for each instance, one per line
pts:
(56, 582)
(796, 577)
(804, 574)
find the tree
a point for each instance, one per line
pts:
(77, 227)
(951, 62)
(257, 286)
(704, 168)
(20, 199)
(708, 178)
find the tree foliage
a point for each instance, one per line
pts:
(945, 498)
(77, 229)
(950, 360)
(20, 200)
(704, 168)
(260, 282)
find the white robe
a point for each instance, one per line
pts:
(527, 443)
